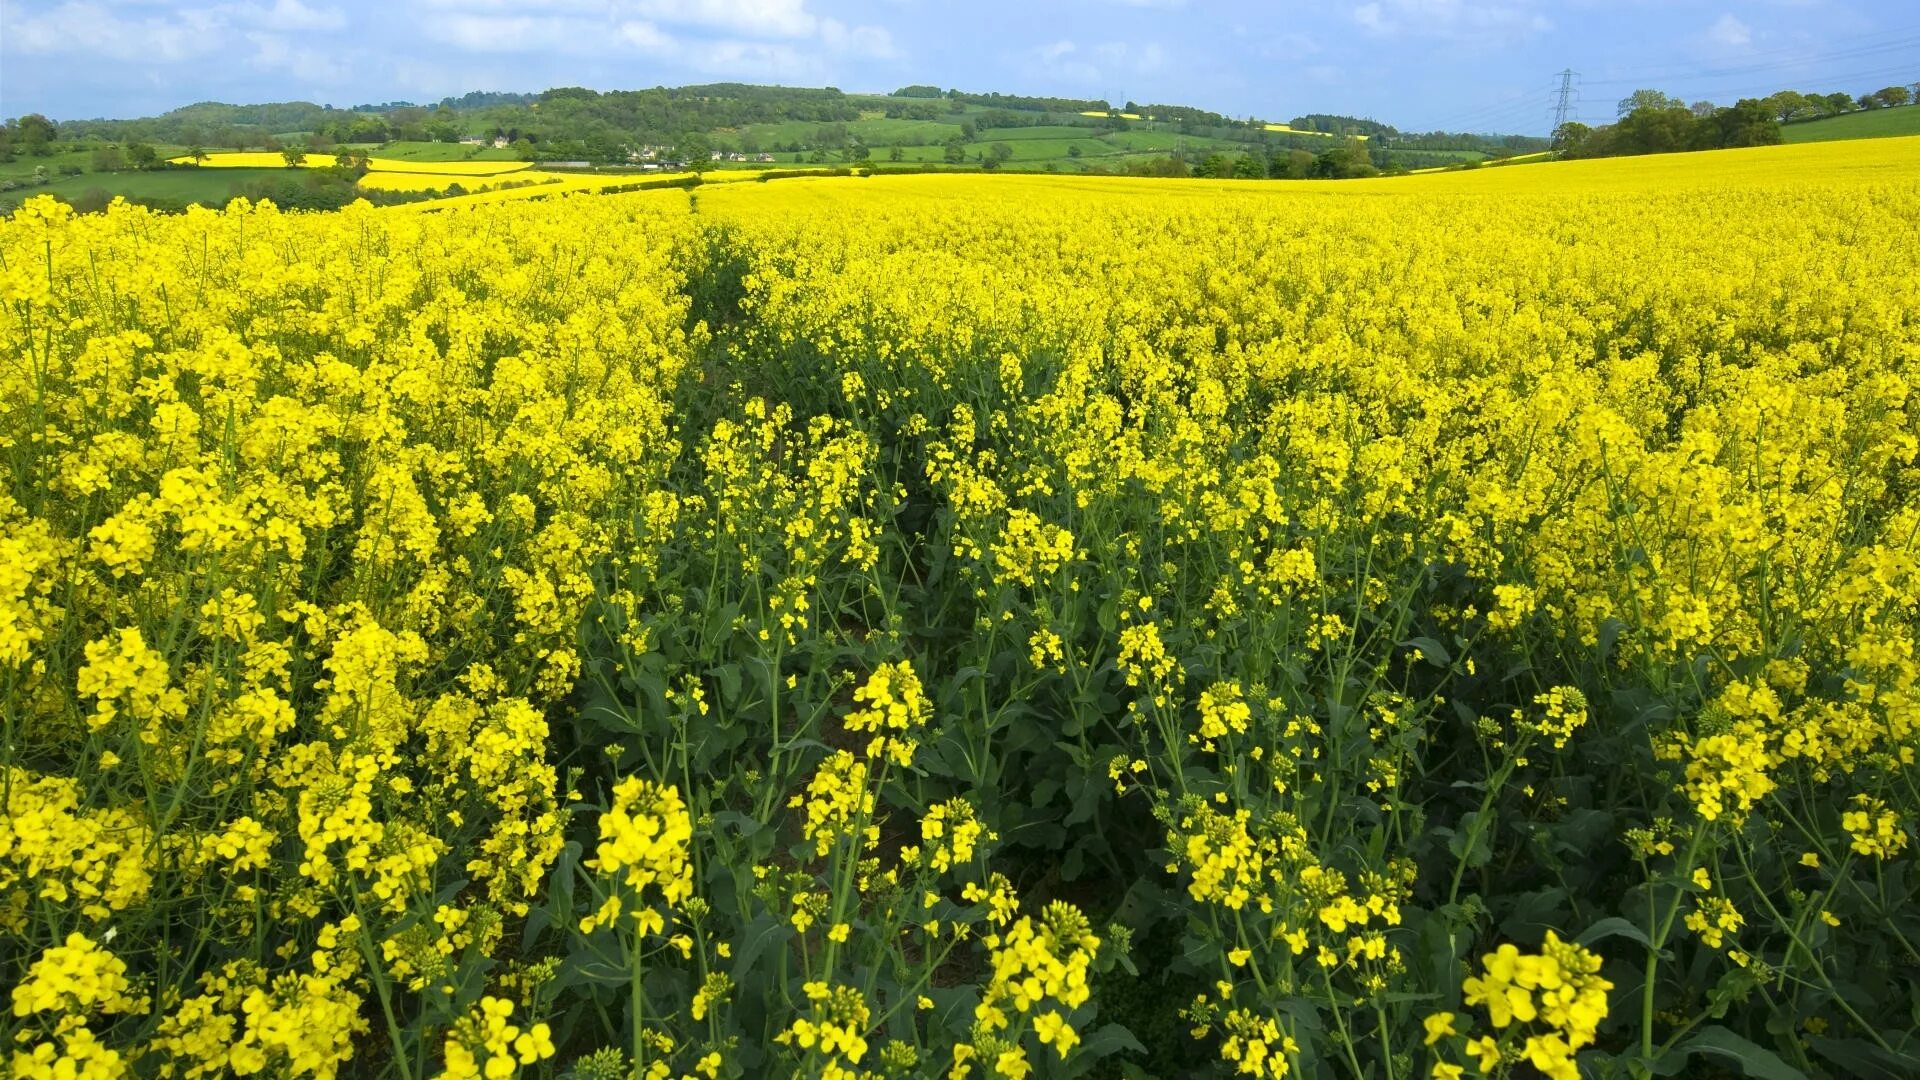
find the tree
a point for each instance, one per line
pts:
(1346, 162)
(1789, 105)
(142, 156)
(1299, 164)
(1654, 131)
(956, 150)
(1571, 137)
(1648, 99)
(198, 153)
(1837, 103)
(1751, 122)
(1867, 101)
(896, 154)
(35, 134)
(1893, 96)
(694, 148)
(1701, 109)
(1074, 151)
(109, 159)
(294, 157)
(996, 155)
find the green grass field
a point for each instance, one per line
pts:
(436, 151)
(1873, 124)
(209, 187)
(1021, 134)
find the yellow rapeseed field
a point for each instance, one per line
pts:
(261, 159)
(971, 626)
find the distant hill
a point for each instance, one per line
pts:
(733, 125)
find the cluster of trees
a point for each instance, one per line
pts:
(921, 110)
(1654, 122)
(210, 123)
(1347, 160)
(31, 135)
(1791, 105)
(1028, 102)
(1335, 124)
(1671, 126)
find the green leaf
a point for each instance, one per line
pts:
(728, 677)
(1614, 927)
(1434, 652)
(1111, 1039)
(742, 823)
(762, 934)
(1753, 1059)
(1860, 1058)
(1481, 850)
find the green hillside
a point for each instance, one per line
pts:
(1869, 124)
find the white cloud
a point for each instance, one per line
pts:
(1069, 62)
(141, 34)
(91, 29)
(1730, 33)
(1056, 51)
(1471, 21)
(711, 36)
(485, 33)
(868, 41)
(273, 52)
(644, 36)
(754, 18)
(290, 15)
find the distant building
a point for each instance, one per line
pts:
(472, 140)
(763, 157)
(500, 142)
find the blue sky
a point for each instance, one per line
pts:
(1418, 64)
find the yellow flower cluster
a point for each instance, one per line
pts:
(487, 1044)
(833, 1030)
(891, 706)
(643, 845)
(1544, 1008)
(1037, 966)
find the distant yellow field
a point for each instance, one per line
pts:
(1289, 130)
(268, 159)
(1123, 116)
(380, 180)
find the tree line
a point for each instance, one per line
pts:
(1655, 122)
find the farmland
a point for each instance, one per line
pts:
(970, 626)
(1869, 124)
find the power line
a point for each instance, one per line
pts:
(1903, 45)
(1768, 88)
(1891, 37)
(1523, 101)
